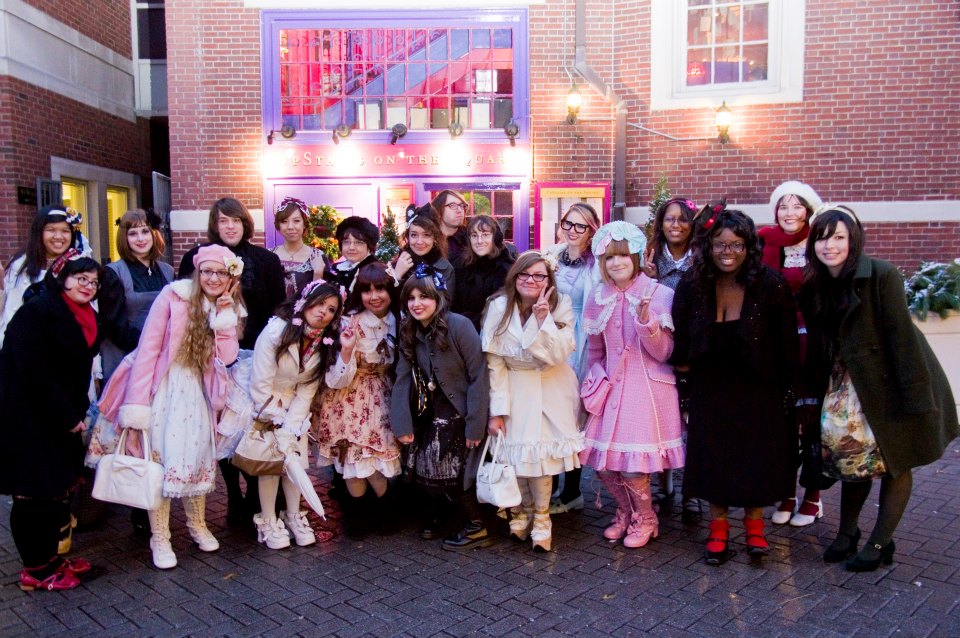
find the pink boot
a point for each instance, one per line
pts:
(643, 524)
(621, 520)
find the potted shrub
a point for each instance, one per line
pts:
(933, 295)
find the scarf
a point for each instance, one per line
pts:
(310, 343)
(85, 316)
(774, 239)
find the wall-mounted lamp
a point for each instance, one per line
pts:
(723, 120)
(342, 131)
(286, 131)
(512, 130)
(398, 131)
(456, 129)
(574, 102)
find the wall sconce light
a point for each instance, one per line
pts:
(342, 131)
(512, 130)
(286, 131)
(574, 102)
(398, 131)
(456, 129)
(723, 120)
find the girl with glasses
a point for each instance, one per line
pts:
(528, 338)
(44, 379)
(736, 337)
(357, 237)
(481, 269)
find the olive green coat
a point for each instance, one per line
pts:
(902, 388)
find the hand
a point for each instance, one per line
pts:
(542, 308)
(348, 339)
(649, 267)
(318, 265)
(495, 425)
(643, 310)
(79, 427)
(472, 443)
(225, 300)
(134, 446)
(404, 265)
(406, 439)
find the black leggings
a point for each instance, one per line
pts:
(35, 526)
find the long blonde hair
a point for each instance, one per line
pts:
(196, 349)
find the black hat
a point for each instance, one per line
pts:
(362, 227)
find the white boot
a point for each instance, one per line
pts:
(196, 510)
(299, 527)
(271, 532)
(163, 556)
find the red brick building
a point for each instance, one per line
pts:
(73, 124)
(859, 99)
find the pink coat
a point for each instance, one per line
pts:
(159, 344)
(640, 427)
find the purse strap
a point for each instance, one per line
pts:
(496, 450)
(122, 444)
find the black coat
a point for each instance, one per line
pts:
(45, 367)
(477, 282)
(345, 278)
(261, 283)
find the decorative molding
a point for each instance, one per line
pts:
(40, 50)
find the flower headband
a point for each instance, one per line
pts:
(299, 203)
(423, 271)
(689, 203)
(619, 231)
(304, 295)
(58, 265)
(71, 215)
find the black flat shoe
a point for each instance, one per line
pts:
(843, 547)
(661, 498)
(692, 510)
(469, 537)
(860, 564)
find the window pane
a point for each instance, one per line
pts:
(504, 80)
(483, 80)
(416, 44)
(727, 24)
(396, 112)
(502, 112)
(755, 63)
(727, 65)
(416, 76)
(694, 3)
(481, 38)
(332, 115)
(439, 80)
(755, 22)
(151, 34)
(374, 78)
(440, 112)
(699, 27)
(698, 67)
(312, 115)
(438, 44)
(502, 39)
(480, 114)
(459, 43)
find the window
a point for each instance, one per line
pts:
(742, 51)
(75, 197)
(425, 73)
(495, 203)
(117, 198)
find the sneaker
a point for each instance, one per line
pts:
(299, 527)
(162, 551)
(472, 535)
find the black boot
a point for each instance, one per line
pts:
(140, 522)
(385, 513)
(356, 517)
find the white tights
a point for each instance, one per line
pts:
(269, 486)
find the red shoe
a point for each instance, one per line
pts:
(56, 581)
(76, 565)
(757, 544)
(718, 548)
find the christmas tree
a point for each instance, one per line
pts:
(389, 244)
(661, 193)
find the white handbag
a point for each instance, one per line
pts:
(497, 481)
(129, 480)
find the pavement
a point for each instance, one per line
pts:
(402, 586)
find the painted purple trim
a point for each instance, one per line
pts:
(461, 185)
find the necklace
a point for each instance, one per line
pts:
(566, 261)
(292, 256)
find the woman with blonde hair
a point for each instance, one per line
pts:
(528, 337)
(177, 384)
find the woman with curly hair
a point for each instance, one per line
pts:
(423, 243)
(177, 385)
(736, 336)
(439, 409)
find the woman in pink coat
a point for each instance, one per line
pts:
(636, 432)
(177, 384)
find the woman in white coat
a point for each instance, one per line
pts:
(528, 336)
(290, 358)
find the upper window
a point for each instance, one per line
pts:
(342, 72)
(743, 51)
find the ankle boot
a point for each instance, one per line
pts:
(643, 521)
(196, 510)
(298, 527)
(271, 532)
(163, 556)
(757, 545)
(621, 519)
(718, 546)
(356, 517)
(541, 533)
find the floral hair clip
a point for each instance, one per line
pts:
(551, 260)
(302, 301)
(424, 271)
(70, 255)
(327, 341)
(299, 203)
(234, 266)
(71, 215)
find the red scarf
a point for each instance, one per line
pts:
(774, 238)
(86, 318)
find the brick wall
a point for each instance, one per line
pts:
(36, 124)
(105, 22)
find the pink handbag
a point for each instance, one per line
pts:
(596, 386)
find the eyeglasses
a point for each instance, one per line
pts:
(736, 248)
(86, 282)
(481, 236)
(675, 221)
(352, 243)
(211, 274)
(537, 277)
(456, 205)
(581, 228)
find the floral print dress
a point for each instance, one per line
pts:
(351, 414)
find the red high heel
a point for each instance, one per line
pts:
(57, 581)
(718, 547)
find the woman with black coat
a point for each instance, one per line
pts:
(45, 369)
(481, 268)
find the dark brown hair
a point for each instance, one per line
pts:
(479, 222)
(439, 239)
(231, 208)
(438, 323)
(293, 334)
(288, 211)
(134, 219)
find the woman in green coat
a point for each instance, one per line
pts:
(888, 406)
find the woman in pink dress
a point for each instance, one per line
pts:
(637, 431)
